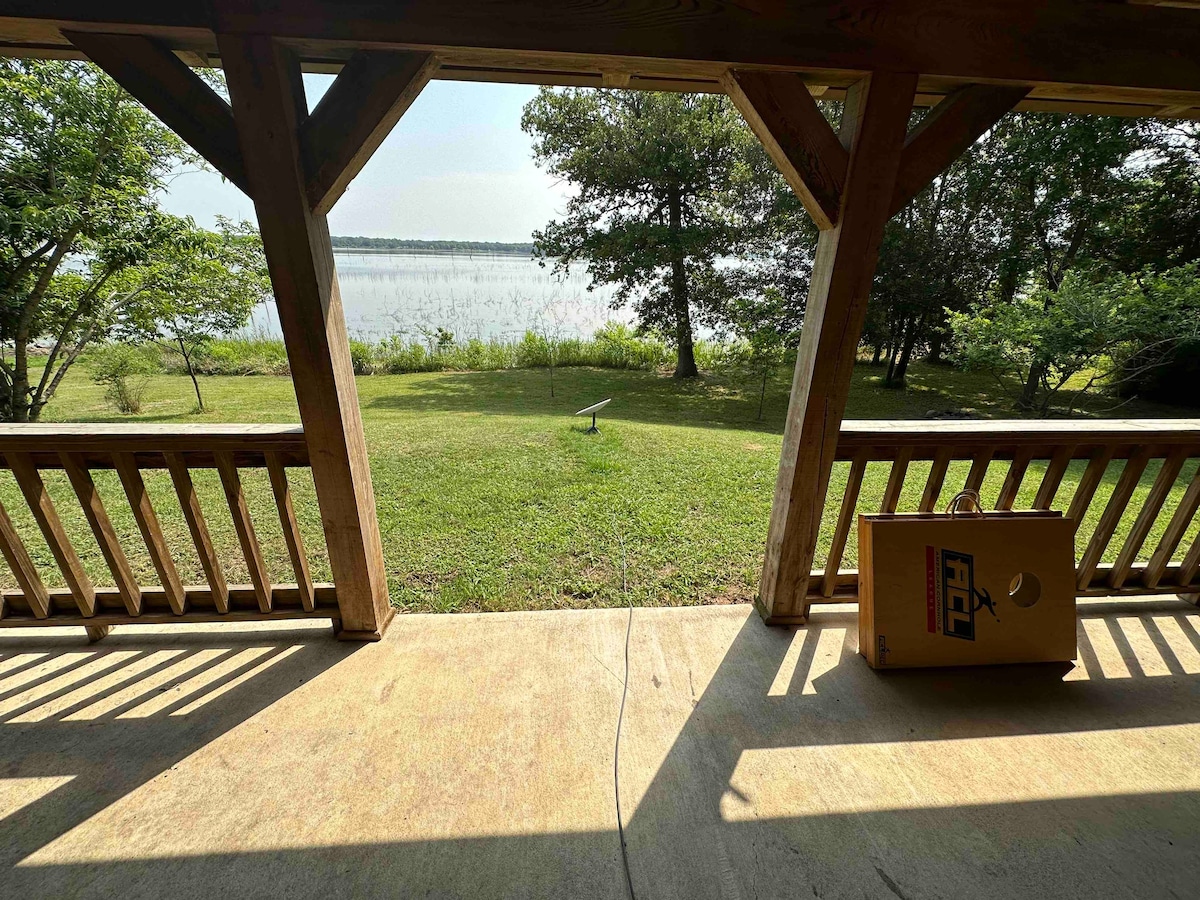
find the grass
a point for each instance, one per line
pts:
(491, 497)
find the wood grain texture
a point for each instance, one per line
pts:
(891, 494)
(244, 526)
(22, 567)
(148, 525)
(937, 476)
(1111, 517)
(1023, 41)
(1173, 534)
(357, 112)
(979, 469)
(106, 536)
(42, 507)
(804, 147)
(946, 132)
(1053, 477)
(1151, 507)
(189, 504)
(165, 85)
(268, 103)
(846, 519)
(875, 119)
(291, 529)
(1086, 489)
(1012, 481)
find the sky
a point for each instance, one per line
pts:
(456, 167)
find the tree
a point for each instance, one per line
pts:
(768, 328)
(656, 177)
(1113, 329)
(940, 252)
(80, 169)
(203, 285)
(1065, 180)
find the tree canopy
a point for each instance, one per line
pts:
(657, 178)
(84, 244)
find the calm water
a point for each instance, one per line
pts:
(472, 295)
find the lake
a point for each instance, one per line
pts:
(471, 294)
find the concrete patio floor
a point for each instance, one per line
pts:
(472, 756)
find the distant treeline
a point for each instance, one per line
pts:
(343, 242)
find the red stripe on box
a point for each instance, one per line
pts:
(930, 591)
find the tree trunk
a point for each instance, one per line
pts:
(898, 376)
(187, 361)
(685, 366)
(937, 344)
(1027, 399)
(878, 353)
(762, 395)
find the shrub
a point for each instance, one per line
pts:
(124, 370)
(362, 358)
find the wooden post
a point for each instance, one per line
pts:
(874, 126)
(269, 107)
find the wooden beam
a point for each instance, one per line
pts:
(948, 131)
(1023, 41)
(783, 114)
(168, 88)
(38, 498)
(359, 110)
(268, 103)
(102, 528)
(148, 524)
(874, 124)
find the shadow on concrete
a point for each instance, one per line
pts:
(693, 832)
(112, 716)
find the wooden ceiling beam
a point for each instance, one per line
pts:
(781, 111)
(1073, 42)
(946, 132)
(365, 101)
(165, 85)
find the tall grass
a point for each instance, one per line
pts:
(614, 346)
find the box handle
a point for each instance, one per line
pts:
(965, 498)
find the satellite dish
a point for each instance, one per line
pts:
(592, 410)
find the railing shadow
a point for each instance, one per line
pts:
(96, 722)
(752, 797)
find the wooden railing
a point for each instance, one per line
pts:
(1068, 458)
(30, 450)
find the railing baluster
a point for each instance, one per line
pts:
(147, 522)
(245, 529)
(979, 467)
(937, 475)
(891, 496)
(38, 498)
(1086, 489)
(22, 567)
(845, 522)
(102, 528)
(1191, 563)
(1150, 509)
(1053, 477)
(189, 503)
(291, 528)
(1012, 481)
(1111, 517)
(1173, 534)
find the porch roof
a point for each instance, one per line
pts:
(1111, 58)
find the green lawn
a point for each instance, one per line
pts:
(490, 496)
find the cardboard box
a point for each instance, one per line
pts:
(937, 590)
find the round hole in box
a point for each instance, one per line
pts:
(1025, 589)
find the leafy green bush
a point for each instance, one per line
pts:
(362, 358)
(124, 370)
